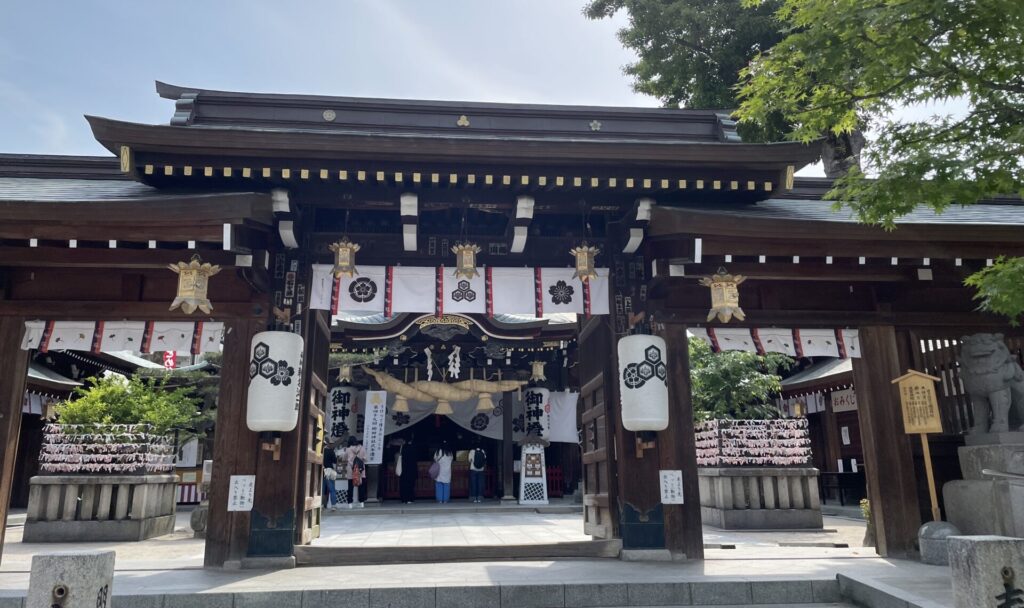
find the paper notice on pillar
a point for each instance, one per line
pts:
(819, 343)
(122, 335)
(241, 491)
(671, 487)
(512, 291)
(464, 295)
(321, 287)
(559, 291)
(851, 342)
(414, 289)
(373, 427)
(70, 335)
(845, 432)
(33, 334)
(211, 337)
(364, 292)
(169, 335)
(775, 340)
(734, 338)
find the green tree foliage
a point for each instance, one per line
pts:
(691, 51)
(734, 384)
(847, 62)
(115, 400)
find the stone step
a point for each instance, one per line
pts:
(312, 555)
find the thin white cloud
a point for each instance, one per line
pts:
(33, 116)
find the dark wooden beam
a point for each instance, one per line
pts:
(138, 233)
(235, 447)
(840, 246)
(677, 450)
(119, 310)
(13, 369)
(64, 257)
(888, 457)
(832, 319)
(197, 208)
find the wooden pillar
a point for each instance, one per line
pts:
(888, 458)
(507, 450)
(677, 449)
(234, 448)
(13, 368)
(833, 441)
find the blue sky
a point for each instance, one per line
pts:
(60, 60)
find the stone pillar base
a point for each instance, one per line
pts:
(979, 564)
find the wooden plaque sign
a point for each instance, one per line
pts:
(920, 403)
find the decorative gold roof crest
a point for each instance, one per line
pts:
(193, 284)
(444, 320)
(465, 259)
(725, 295)
(345, 257)
(585, 255)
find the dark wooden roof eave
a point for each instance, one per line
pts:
(270, 143)
(673, 222)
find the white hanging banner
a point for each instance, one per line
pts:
(321, 287)
(34, 331)
(733, 338)
(512, 291)
(851, 342)
(465, 295)
(775, 340)
(364, 292)
(168, 335)
(414, 289)
(373, 430)
(597, 296)
(818, 342)
(123, 335)
(558, 291)
(71, 335)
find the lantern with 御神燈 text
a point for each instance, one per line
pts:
(643, 383)
(193, 285)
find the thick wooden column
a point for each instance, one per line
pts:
(235, 447)
(13, 367)
(677, 449)
(507, 450)
(888, 458)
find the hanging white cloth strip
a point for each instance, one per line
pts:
(841, 343)
(193, 337)
(520, 291)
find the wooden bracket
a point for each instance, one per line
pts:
(642, 445)
(273, 446)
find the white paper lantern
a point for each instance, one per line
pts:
(643, 383)
(537, 407)
(275, 372)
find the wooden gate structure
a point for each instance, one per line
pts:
(262, 184)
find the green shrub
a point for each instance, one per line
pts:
(114, 400)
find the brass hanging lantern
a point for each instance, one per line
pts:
(585, 255)
(725, 295)
(465, 260)
(193, 284)
(537, 373)
(345, 257)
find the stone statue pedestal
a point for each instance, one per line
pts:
(982, 504)
(985, 567)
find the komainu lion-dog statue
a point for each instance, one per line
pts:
(995, 382)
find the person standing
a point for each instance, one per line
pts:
(355, 455)
(477, 468)
(409, 473)
(443, 482)
(330, 492)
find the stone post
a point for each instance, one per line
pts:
(987, 570)
(71, 580)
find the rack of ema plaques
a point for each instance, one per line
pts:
(756, 474)
(533, 478)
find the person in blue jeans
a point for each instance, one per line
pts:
(443, 482)
(477, 466)
(330, 493)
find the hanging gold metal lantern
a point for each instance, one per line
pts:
(725, 295)
(193, 284)
(465, 260)
(345, 257)
(585, 255)
(537, 373)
